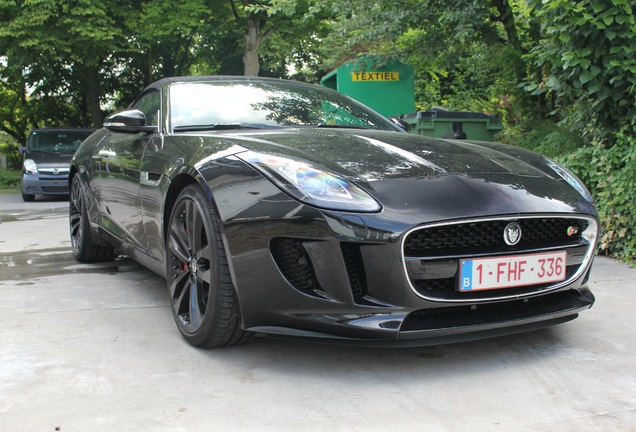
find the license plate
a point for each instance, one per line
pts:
(512, 271)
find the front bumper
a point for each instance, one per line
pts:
(440, 325)
(45, 184)
(351, 287)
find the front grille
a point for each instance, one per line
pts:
(432, 254)
(487, 237)
(54, 185)
(54, 171)
(55, 190)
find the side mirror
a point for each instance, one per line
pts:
(22, 150)
(129, 121)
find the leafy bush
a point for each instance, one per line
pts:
(606, 166)
(586, 57)
(545, 137)
(609, 171)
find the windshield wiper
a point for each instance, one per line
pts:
(223, 126)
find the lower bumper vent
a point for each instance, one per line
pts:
(293, 262)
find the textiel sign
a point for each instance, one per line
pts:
(375, 76)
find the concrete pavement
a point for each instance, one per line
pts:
(95, 348)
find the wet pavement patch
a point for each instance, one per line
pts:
(30, 215)
(8, 218)
(51, 262)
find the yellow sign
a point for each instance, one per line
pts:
(375, 76)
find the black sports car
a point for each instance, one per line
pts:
(280, 208)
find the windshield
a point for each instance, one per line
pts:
(267, 104)
(56, 141)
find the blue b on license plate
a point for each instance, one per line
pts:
(512, 271)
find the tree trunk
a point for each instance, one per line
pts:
(84, 110)
(93, 97)
(253, 42)
(252, 37)
(507, 18)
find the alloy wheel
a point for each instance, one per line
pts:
(189, 255)
(75, 215)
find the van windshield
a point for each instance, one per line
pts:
(57, 141)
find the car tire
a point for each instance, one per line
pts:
(84, 249)
(203, 298)
(28, 197)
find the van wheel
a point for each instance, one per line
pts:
(27, 197)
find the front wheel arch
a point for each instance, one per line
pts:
(177, 185)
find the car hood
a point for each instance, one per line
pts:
(373, 155)
(436, 178)
(50, 160)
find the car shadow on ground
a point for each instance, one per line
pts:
(51, 198)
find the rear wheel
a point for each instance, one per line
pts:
(204, 301)
(84, 249)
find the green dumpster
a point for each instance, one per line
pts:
(453, 124)
(388, 89)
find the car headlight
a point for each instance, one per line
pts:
(311, 185)
(30, 167)
(569, 177)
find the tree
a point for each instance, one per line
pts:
(256, 33)
(175, 43)
(63, 46)
(586, 59)
(294, 22)
(83, 55)
(467, 55)
(14, 110)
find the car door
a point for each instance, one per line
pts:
(118, 176)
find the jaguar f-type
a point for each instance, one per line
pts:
(279, 208)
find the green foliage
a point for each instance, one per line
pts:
(67, 62)
(60, 50)
(586, 57)
(466, 55)
(10, 180)
(9, 148)
(610, 173)
(199, 39)
(286, 32)
(545, 137)
(606, 166)
(14, 109)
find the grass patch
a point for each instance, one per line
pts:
(10, 181)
